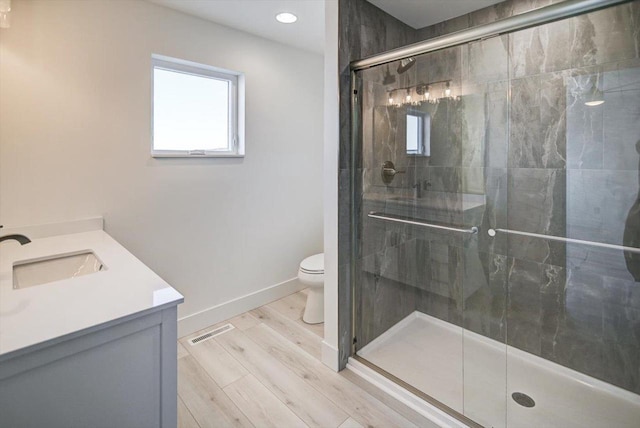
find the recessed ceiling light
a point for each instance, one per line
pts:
(286, 18)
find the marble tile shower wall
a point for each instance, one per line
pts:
(364, 30)
(522, 138)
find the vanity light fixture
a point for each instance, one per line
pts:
(286, 18)
(424, 93)
(5, 17)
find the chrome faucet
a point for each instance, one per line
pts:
(20, 238)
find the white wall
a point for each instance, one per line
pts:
(74, 143)
(331, 150)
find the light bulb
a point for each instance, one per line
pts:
(390, 100)
(408, 97)
(5, 20)
(447, 91)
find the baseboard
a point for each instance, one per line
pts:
(415, 403)
(330, 356)
(215, 314)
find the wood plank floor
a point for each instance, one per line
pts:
(266, 372)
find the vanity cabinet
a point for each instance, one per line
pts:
(118, 374)
(84, 351)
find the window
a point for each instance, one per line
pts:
(418, 133)
(198, 110)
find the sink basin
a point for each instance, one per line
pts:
(65, 266)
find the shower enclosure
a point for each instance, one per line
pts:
(496, 220)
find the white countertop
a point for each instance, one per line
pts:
(40, 313)
(432, 200)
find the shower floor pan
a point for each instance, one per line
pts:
(477, 377)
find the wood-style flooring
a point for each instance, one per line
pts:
(266, 372)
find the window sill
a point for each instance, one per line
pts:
(206, 155)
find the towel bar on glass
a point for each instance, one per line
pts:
(415, 222)
(493, 232)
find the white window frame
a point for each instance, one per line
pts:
(236, 79)
(424, 131)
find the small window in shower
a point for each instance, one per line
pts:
(418, 133)
(197, 110)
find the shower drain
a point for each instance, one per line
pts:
(523, 399)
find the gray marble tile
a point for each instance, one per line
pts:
(486, 60)
(620, 365)
(524, 302)
(635, 19)
(598, 204)
(622, 129)
(521, 6)
(492, 13)
(384, 303)
(574, 351)
(585, 125)
(583, 305)
(621, 292)
(445, 27)
(621, 324)
(538, 126)
(604, 36)
(524, 335)
(552, 313)
(536, 203)
(535, 51)
(446, 138)
(485, 288)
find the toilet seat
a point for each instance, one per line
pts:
(312, 272)
(313, 265)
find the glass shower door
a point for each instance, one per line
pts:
(573, 226)
(484, 113)
(433, 172)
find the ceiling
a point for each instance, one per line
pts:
(422, 13)
(258, 17)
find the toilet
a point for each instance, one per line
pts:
(311, 273)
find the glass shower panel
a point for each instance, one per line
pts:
(427, 137)
(484, 116)
(573, 311)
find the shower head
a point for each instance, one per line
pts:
(406, 64)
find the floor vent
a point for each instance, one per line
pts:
(211, 334)
(523, 399)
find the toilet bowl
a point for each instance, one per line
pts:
(311, 273)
